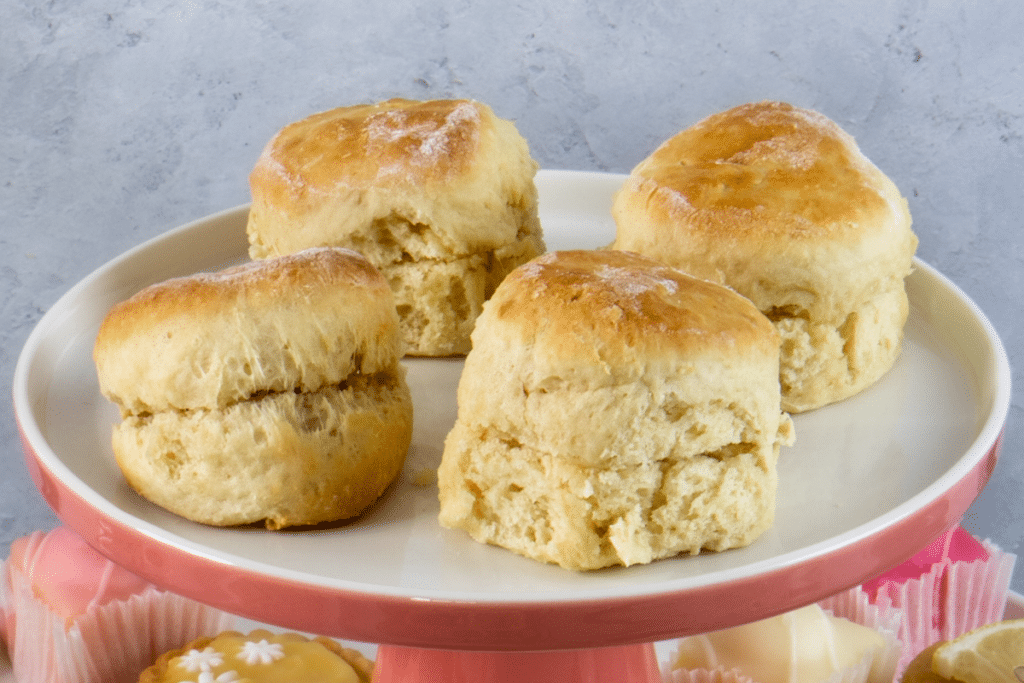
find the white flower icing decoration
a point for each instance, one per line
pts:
(201, 660)
(261, 652)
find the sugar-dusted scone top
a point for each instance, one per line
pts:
(614, 411)
(780, 204)
(439, 195)
(208, 340)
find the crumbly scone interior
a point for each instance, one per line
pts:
(683, 478)
(827, 361)
(245, 463)
(439, 292)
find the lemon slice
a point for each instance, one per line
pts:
(990, 654)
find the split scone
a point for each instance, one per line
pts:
(438, 195)
(268, 392)
(780, 204)
(614, 411)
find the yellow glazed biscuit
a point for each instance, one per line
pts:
(614, 411)
(261, 657)
(269, 392)
(779, 204)
(439, 195)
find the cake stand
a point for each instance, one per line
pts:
(869, 482)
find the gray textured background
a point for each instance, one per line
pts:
(120, 119)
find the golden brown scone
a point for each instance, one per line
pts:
(261, 657)
(614, 411)
(439, 195)
(779, 204)
(270, 391)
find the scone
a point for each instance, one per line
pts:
(268, 392)
(614, 411)
(260, 657)
(439, 195)
(780, 204)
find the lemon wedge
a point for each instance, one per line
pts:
(989, 654)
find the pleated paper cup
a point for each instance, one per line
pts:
(111, 643)
(949, 600)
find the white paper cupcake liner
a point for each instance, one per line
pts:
(879, 665)
(111, 644)
(950, 600)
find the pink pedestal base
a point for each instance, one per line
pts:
(624, 664)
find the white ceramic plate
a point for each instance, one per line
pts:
(869, 482)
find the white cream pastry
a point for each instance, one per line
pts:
(807, 645)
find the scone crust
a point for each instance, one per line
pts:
(302, 321)
(775, 200)
(779, 203)
(448, 164)
(614, 411)
(639, 312)
(439, 193)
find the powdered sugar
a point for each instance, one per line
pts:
(533, 269)
(321, 257)
(633, 282)
(424, 141)
(796, 152)
(628, 283)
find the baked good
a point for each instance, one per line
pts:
(954, 585)
(993, 653)
(439, 195)
(73, 616)
(614, 411)
(806, 645)
(780, 204)
(267, 392)
(260, 657)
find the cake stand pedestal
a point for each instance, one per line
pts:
(624, 664)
